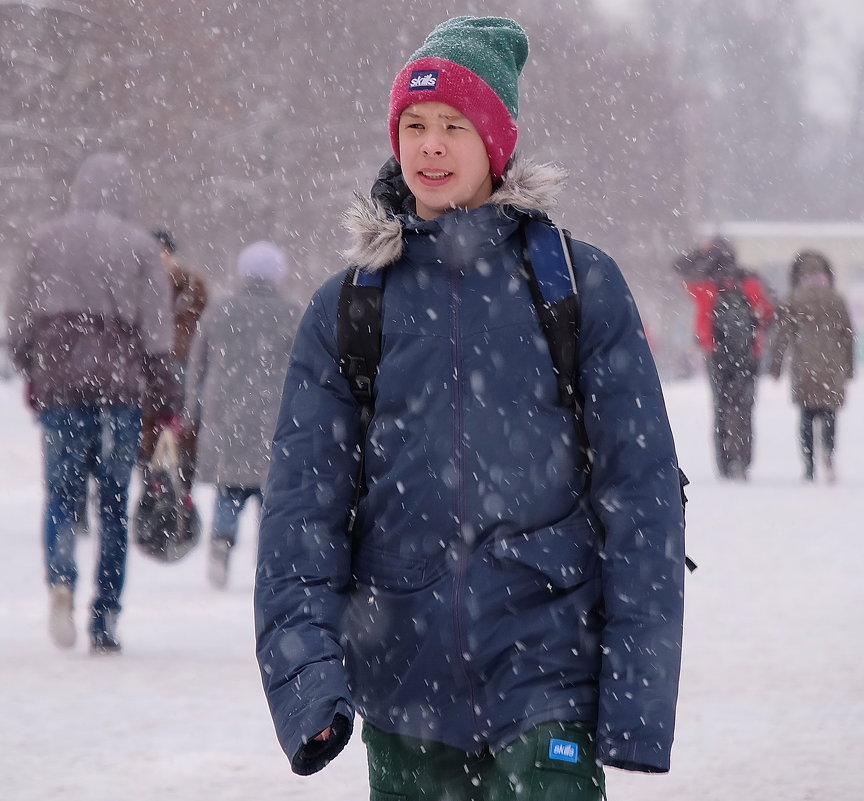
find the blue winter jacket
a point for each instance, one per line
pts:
(488, 586)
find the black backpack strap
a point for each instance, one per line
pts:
(358, 337)
(552, 280)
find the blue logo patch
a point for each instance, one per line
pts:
(423, 79)
(564, 751)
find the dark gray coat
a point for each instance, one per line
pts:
(234, 382)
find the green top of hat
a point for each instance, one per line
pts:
(495, 48)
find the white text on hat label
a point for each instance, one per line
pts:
(423, 79)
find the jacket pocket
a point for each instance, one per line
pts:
(566, 553)
(388, 571)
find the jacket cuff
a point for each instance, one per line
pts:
(634, 756)
(314, 755)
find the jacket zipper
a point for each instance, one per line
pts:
(461, 547)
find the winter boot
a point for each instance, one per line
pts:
(829, 467)
(217, 565)
(61, 621)
(737, 470)
(103, 639)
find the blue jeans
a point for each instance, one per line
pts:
(78, 441)
(229, 503)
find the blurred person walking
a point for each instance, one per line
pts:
(188, 300)
(233, 389)
(815, 329)
(87, 318)
(733, 313)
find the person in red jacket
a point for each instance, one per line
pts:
(732, 315)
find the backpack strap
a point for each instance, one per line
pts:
(552, 281)
(548, 264)
(358, 336)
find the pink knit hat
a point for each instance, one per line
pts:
(473, 65)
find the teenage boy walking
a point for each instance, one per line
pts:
(503, 624)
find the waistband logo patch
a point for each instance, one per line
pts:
(423, 79)
(564, 751)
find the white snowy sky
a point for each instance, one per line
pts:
(836, 43)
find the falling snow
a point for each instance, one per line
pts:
(771, 681)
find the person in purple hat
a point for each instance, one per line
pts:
(233, 385)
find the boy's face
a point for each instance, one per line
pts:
(443, 158)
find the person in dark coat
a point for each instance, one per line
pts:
(709, 271)
(815, 330)
(88, 328)
(497, 620)
(233, 388)
(189, 299)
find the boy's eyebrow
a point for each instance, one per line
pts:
(416, 116)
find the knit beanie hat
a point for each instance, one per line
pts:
(262, 260)
(473, 65)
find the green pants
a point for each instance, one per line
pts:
(555, 761)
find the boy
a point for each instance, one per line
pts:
(502, 623)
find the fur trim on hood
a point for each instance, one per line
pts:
(376, 233)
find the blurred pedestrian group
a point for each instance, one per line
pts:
(742, 331)
(102, 321)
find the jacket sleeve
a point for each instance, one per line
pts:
(760, 301)
(196, 373)
(847, 342)
(783, 336)
(635, 492)
(154, 323)
(703, 293)
(19, 317)
(304, 561)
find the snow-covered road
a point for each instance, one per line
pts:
(772, 692)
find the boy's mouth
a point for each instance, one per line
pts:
(434, 176)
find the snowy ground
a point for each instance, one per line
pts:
(772, 692)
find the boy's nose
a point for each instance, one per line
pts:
(431, 147)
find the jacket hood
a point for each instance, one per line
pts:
(103, 183)
(376, 229)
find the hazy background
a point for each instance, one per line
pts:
(259, 119)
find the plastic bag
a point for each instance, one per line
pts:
(166, 525)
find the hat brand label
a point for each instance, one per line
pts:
(423, 79)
